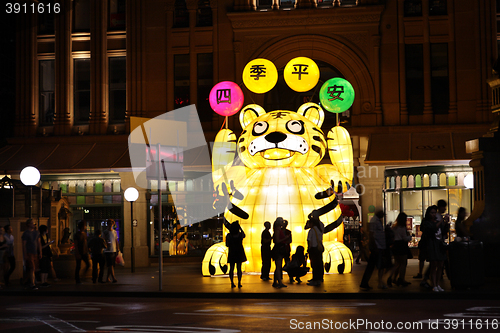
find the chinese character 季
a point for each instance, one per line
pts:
(301, 70)
(257, 71)
(223, 96)
(335, 90)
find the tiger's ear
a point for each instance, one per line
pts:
(313, 112)
(249, 113)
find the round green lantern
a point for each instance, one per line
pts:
(336, 95)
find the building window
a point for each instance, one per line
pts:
(413, 8)
(181, 80)
(349, 3)
(204, 14)
(287, 4)
(45, 22)
(440, 86)
(414, 78)
(437, 7)
(325, 3)
(205, 83)
(117, 10)
(117, 89)
(81, 97)
(46, 97)
(181, 14)
(81, 15)
(264, 4)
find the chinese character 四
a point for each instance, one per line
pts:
(223, 96)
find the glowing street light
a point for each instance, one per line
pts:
(30, 176)
(131, 194)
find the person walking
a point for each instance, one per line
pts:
(112, 249)
(45, 261)
(96, 246)
(400, 251)
(436, 230)
(81, 250)
(236, 255)
(9, 252)
(265, 251)
(31, 252)
(315, 249)
(377, 245)
(363, 245)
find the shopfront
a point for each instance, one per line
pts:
(411, 190)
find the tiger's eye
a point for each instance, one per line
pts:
(260, 128)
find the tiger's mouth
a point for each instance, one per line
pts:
(276, 154)
(276, 151)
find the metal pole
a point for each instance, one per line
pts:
(132, 249)
(160, 224)
(31, 200)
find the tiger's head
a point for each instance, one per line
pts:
(282, 138)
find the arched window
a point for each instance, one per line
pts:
(418, 181)
(204, 14)
(398, 182)
(404, 182)
(461, 177)
(411, 181)
(452, 180)
(426, 180)
(181, 14)
(442, 179)
(434, 179)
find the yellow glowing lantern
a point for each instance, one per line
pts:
(215, 260)
(260, 75)
(301, 74)
(337, 258)
(280, 175)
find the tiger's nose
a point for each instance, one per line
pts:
(275, 137)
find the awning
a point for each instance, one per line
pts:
(418, 148)
(82, 154)
(66, 155)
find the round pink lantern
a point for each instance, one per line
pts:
(226, 98)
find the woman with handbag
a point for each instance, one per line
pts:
(236, 255)
(278, 251)
(400, 251)
(112, 249)
(435, 231)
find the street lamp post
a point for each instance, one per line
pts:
(30, 176)
(131, 194)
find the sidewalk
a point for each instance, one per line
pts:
(184, 280)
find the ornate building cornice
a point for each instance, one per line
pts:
(306, 17)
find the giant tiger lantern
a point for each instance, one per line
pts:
(280, 175)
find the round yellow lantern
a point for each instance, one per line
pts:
(260, 75)
(301, 74)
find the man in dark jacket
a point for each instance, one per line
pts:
(81, 250)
